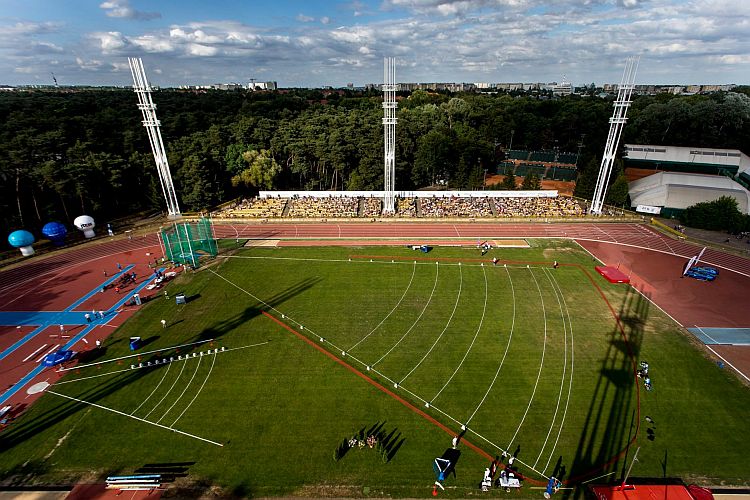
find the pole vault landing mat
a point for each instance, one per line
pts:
(613, 275)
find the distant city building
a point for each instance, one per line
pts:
(672, 89)
(262, 86)
(227, 86)
(562, 89)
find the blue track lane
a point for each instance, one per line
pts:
(58, 317)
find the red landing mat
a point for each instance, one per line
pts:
(613, 275)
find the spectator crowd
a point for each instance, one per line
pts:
(334, 207)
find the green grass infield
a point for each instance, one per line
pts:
(294, 351)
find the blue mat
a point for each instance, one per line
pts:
(713, 336)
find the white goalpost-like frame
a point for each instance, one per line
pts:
(616, 124)
(389, 132)
(148, 109)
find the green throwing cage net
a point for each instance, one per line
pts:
(189, 242)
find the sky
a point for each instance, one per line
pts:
(317, 43)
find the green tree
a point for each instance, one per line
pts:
(722, 214)
(260, 172)
(531, 182)
(617, 194)
(509, 182)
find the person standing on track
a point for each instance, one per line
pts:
(88, 317)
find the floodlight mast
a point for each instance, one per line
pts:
(616, 124)
(148, 109)
(389, 133)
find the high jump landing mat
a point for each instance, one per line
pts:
(612, 274)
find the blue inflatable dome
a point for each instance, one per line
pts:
(55, 231)
(20, 238)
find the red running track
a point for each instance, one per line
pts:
(636, 235)
(53, 284)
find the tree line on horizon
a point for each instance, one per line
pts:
(65, 154)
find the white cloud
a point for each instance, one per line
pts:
(110, 41)
(196, 49)
(88, 65)
(434, 40)
(152, 43)
(122, 9)
(325, 20)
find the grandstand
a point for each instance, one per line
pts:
(324, 205)
(550, 165)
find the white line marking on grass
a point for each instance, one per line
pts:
(541, 363)
(152, 366)
(93, 376)
(427, 304)
(481, 321)
(414, 269)
(135, 418)
(168, 390)
(565, 366)
(184, 390)
(570, 380)
(155, 389)
(507, 346)
(256, 257)
(455, 306)
(135, 355)
(213, 361)
(48, 352)
(33, 353)
(472, 431)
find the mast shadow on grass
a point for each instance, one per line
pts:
(225, 326)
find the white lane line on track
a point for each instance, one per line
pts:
(48, 352)
(427, 304)
(479, 328)
(447, 324)
(33, 353)
(570, 380)
(414, 269)
(541, 363)
(704, 259)
(565, 367)
(507, 347)
(58, 272)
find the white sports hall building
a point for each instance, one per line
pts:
(667, 179)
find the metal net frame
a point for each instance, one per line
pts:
(189, 243)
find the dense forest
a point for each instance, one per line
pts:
(63, 154)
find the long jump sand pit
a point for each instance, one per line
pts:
(510, 243)
(261, 243)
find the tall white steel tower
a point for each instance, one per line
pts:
(616, 124)
(148, 109)
(389, 126)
